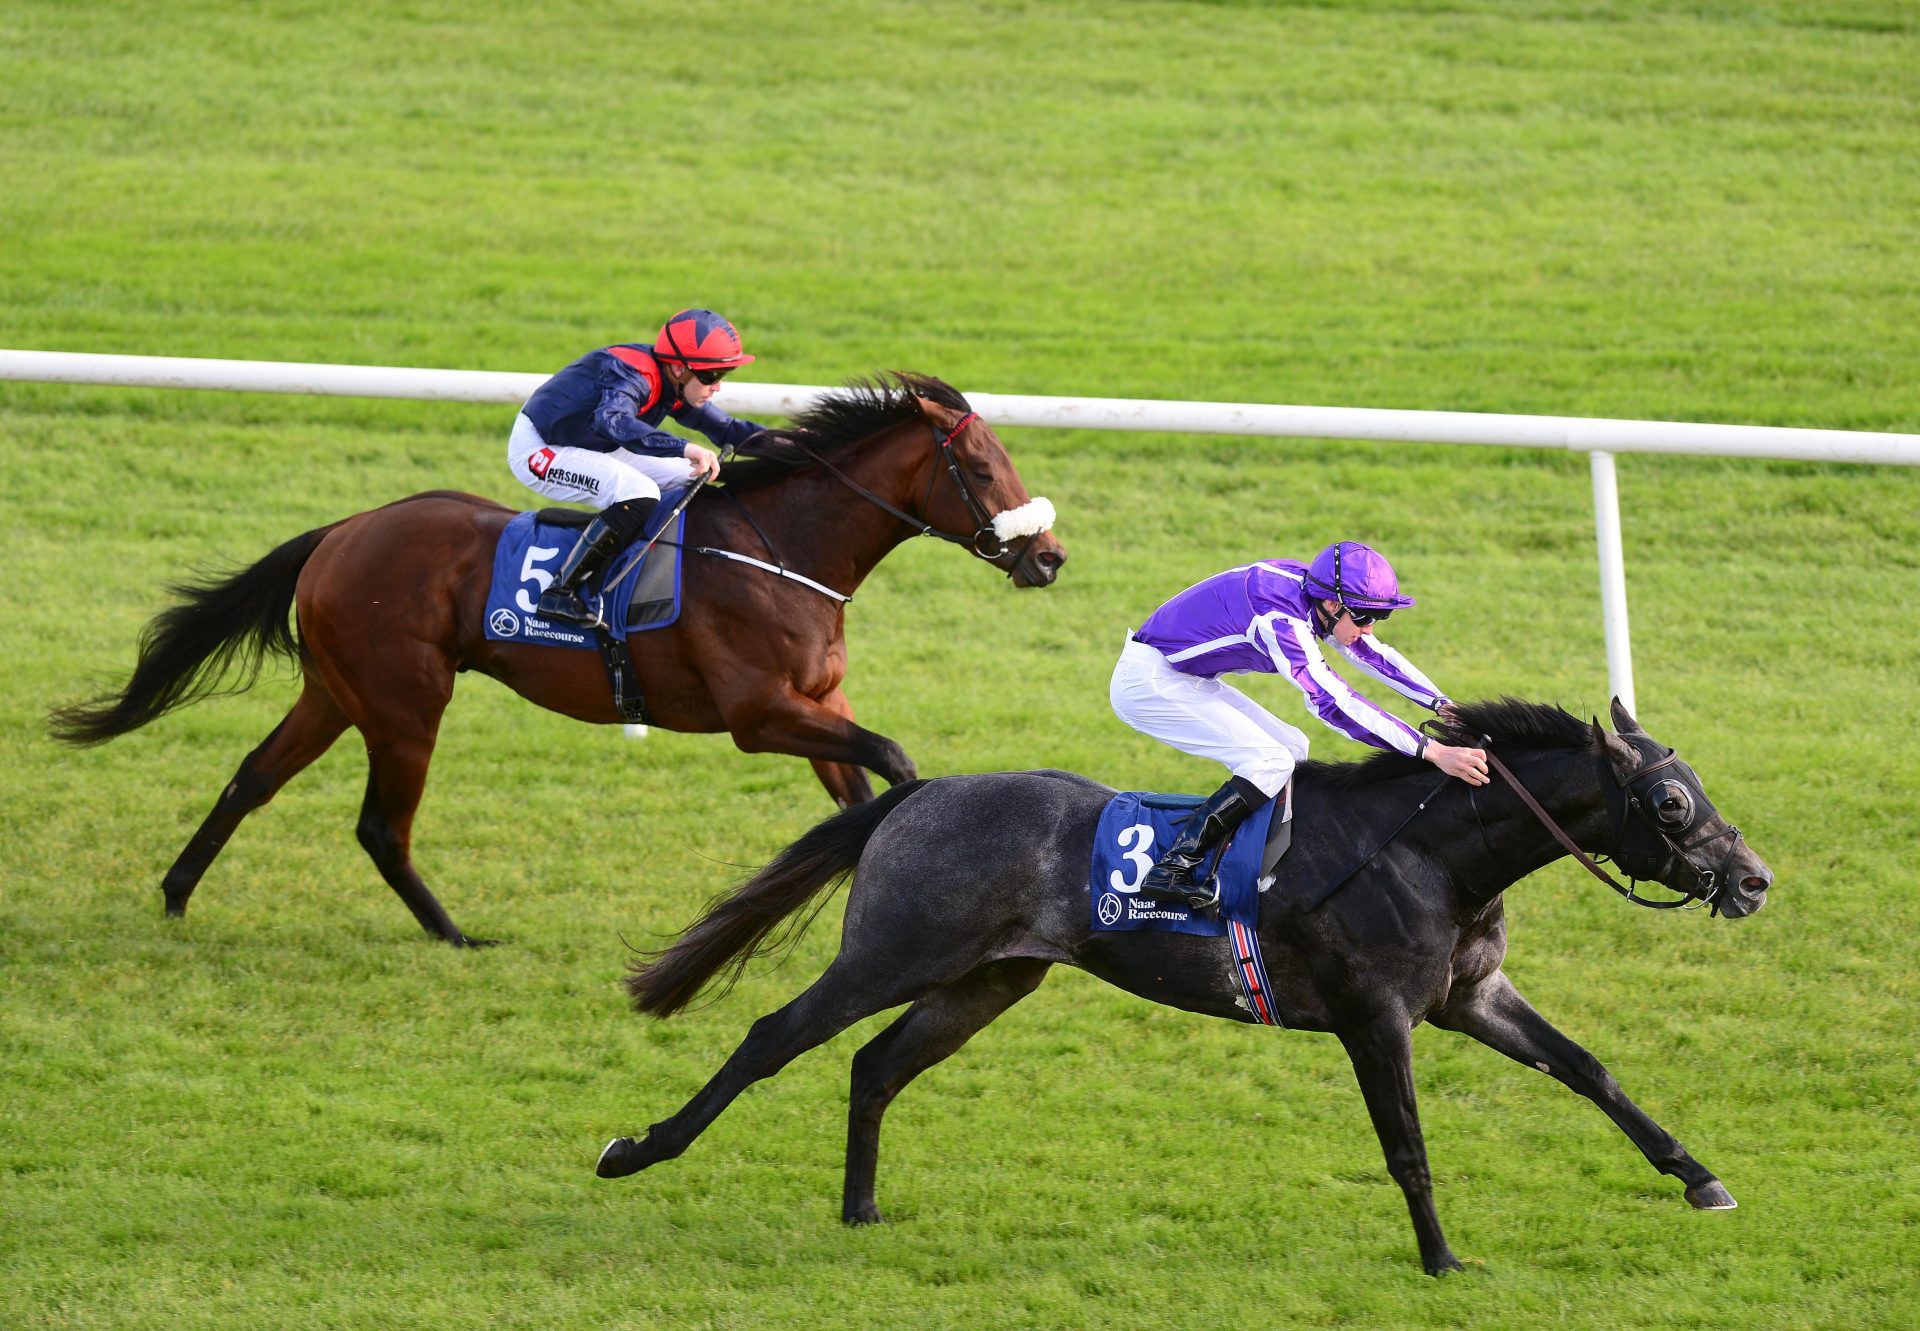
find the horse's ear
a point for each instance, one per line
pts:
(1623, 720)
(1620, 754)
(944, 417)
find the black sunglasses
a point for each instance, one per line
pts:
(709, 377)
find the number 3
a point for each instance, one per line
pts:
(1140, 854)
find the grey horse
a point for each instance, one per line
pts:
(968, 888)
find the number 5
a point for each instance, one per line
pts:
(530, 571)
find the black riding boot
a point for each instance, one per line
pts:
(1172, 878)
(604, 535)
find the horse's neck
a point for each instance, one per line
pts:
(1511, 841)
(819, 526)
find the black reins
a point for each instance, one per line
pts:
(985, 543)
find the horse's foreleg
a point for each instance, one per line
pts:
(1494, 1013)
(1382, 1054)
(847, 783)
(924, 1034)
(792, 723)
(303, 735)
(832, 1003)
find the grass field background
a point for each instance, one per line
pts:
(291, 1109)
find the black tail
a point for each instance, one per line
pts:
(736, 928)
(186, 649)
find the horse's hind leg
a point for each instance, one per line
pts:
(303, 735)
(1494, 1013)
(396, 776)
(929, 1031)
(840, 997)
(395, 699)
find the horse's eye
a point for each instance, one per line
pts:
(982, 475)
(1672, 804)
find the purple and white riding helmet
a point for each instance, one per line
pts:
(1357, 576)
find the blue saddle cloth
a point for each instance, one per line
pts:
(528, 556)
(1134, 831)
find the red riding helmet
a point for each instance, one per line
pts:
(700, 340)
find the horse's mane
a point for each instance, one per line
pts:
(859, 411)
(1509, 723)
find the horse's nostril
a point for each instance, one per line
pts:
(1756, 883)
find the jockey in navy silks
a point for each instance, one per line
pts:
(1270, 618)
(591, 435)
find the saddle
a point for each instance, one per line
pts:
(532, 545)
(1133, 829)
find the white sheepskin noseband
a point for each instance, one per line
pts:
(1030, 519)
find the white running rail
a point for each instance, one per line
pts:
(1599, 438)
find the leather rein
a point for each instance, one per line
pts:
(1636, 797)
(978, 543)
(1708, 882)
(1586, 861)
(985, 542)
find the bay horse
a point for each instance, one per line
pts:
(966, 889)
(389, 603)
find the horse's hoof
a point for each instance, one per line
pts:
(1711, 1196)
(621, 1158)
(865, 1214)
(467, 940)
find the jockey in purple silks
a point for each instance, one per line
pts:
(1269, 618)
(591, 435)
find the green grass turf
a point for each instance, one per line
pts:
(292, 1110)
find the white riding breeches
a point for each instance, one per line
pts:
(1204, 717)
(581, 476)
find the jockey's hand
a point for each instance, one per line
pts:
(704, 461)
(1470, 765)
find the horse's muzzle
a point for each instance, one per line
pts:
(1744, 896)
(1745, 883)
(1039, 564)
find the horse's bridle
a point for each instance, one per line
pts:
(1671, 808)
(986, 543)
(1664, 808)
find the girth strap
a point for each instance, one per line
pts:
(628, 700)
(1250, 969)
